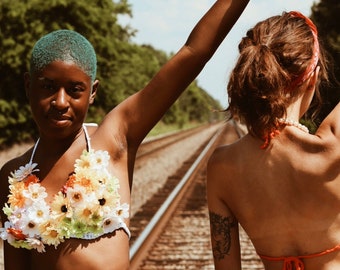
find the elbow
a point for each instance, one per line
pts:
(200, 55)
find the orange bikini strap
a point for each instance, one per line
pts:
(290, 263)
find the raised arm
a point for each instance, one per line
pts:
(331, 124)
(224, 230)
(141, 111)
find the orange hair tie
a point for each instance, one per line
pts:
(316, 51)
(268, 138)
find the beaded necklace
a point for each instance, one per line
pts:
(289, 122)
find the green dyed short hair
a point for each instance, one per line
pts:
(64, 45)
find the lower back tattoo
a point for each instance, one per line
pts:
(221, 234)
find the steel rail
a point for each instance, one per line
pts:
(168, 139)
(141, 239)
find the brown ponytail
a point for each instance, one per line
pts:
(272, 55)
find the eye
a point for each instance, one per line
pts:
(48, 86)
(76, 89)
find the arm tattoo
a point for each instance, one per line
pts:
(221, 234)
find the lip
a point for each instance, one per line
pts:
(59, 119)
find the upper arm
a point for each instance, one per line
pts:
(14, 258)
(141, 111)
(223, 224)
(331, 124)
(4, 189)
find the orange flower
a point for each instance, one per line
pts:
(86, 183)
(16, 233)
(70, 182)
(31, 179)
(16, 197)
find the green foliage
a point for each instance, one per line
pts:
(194, 105)
(123, 67)
(325, 15)
(11, 120)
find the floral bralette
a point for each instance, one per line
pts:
(88, 205)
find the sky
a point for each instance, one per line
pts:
(166, 24)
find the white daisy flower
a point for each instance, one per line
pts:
(39, 212)
(100, 159)
(123, 210)
(51, 234)
(36, 244)
(34, 193)
(16, 216)
(76, 196)
(111, 224)
(59, 206)
(24, 171)
(84, 162)
(29, 226)
(93, 160)
(4, 235)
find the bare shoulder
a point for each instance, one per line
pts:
(227, 155)
(223, 162)
(13, 165)
(221, 156)
(6, 170)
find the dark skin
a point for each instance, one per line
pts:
(60, 95)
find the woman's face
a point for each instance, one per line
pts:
(59, 97)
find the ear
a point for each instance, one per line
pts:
(27, 82)
(94, 91)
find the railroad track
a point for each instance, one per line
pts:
(152, 145)
(161, 159)
(171, 230)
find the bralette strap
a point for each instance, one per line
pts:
(34, 149)
(87, 136)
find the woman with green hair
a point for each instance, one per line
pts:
(68, 207)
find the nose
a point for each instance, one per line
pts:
(60, 99)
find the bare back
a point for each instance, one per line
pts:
(286, 197)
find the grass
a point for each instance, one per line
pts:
(162, 128)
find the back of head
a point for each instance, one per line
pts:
(64, 45)
(275, 57)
